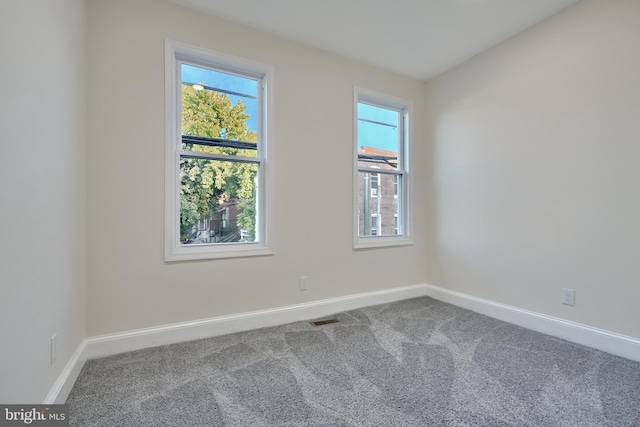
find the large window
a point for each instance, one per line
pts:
(216, 155)
(381, 170)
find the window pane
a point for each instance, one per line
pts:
(217, 201)
(377, 214)
(378, 137)
(219, 106)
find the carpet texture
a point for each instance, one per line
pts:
(418, 362)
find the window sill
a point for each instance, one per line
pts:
(202, 252)
(381, 242)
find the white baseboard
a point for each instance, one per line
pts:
(63, 385)
(106, 345)
(600, 339)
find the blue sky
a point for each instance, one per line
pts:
(384, 133)
(229, 82)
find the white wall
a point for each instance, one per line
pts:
(534, 147)
(42, 192)
(129, 284)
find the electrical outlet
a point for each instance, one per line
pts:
(54, 348)
(568, 296)
(304, 283)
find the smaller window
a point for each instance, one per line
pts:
(396, 185)
(375, 181)
(374, 224)
(381, 172)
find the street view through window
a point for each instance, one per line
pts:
(379, 171)
(219, 157)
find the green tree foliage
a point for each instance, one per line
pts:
(211, 114)
(206, 185)
(188, 216)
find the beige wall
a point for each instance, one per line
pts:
(535, 146)
(129, 284)
(42, 192)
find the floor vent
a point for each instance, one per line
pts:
(324, 322)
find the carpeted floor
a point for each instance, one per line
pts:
(418, 362)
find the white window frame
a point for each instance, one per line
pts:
(405, 107)
(175, 53)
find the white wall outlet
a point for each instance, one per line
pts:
(568, 296)
(54, 348)
(304, 283)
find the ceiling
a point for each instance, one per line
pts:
(417, 38)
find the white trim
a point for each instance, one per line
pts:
(106, 345)
(610, 342)
(63, 385)
(369, 242)
(176, 52)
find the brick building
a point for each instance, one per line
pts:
(378, 193)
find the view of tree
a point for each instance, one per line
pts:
(207, 185)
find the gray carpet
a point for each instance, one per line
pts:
(418, 362)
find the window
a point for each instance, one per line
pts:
(216, 155)
(374, 224)
(375, 179)
(396, 186)
(381, 173)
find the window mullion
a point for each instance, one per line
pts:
(382, 171)
(222, 157)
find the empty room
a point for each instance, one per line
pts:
(320, 213)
